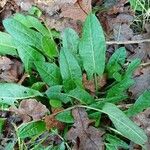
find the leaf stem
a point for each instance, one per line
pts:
(96, 83)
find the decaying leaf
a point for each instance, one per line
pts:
(84, 136)
(2, 3)
(10, 70)
(142, 82)
(142, 51)
(89, 84)
(51, 122)
(30, 109)
(77, 11)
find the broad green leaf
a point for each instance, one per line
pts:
(92, 47)
(124, 125)
(141, 103)
(82, 96)
(22, 33)
(7, 46)
(31, 129)
(55, 93)
(15, 91)
(116, 142)
(49, 47)
(10, 146)
(115, 61)
(65, 116)
(28, 55)
(35, 23)
(70, 70)
(70, 40)
(120, 87)
(49, 72)
(32, 22)
(8, 101)
(22, 19)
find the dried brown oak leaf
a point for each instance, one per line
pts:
(10, 70)
(82, 135)
(142, 82)
(51, 122)
(77, 11)
(30, 109)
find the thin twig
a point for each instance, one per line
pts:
(23, 78)
(127, 42)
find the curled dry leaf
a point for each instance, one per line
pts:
(77, 11)
(89, 84)
(51, 122)
(142, 82)
(30, 109)
(10, 70)
(84, 136)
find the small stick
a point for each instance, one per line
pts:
(23, 78)
(127, 42)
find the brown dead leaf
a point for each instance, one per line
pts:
(142, 82)
(142, 51)
(30, 109)
(77, 11)
(51, 122)
(10, 70)
(89, 84)
(2, 3)
(25, 5)
(82, 135)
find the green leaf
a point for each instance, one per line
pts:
(14, 91)
(92, 47)
(120, 88)
(2, 122)
(35, 23)
(124, 125)
(28, 55)
(54, 92)
(7, 46)
(70, 70)
(115, 61)
(70, 40)
(32, 22)
(81, 95)
(115, 141)
(49, 47)
(39, 86)
(22, 33)
(132, 67)
(31, 129)
(137, 5)
(141, 103)
(49, 72)
(65, 116)
(55, 103)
